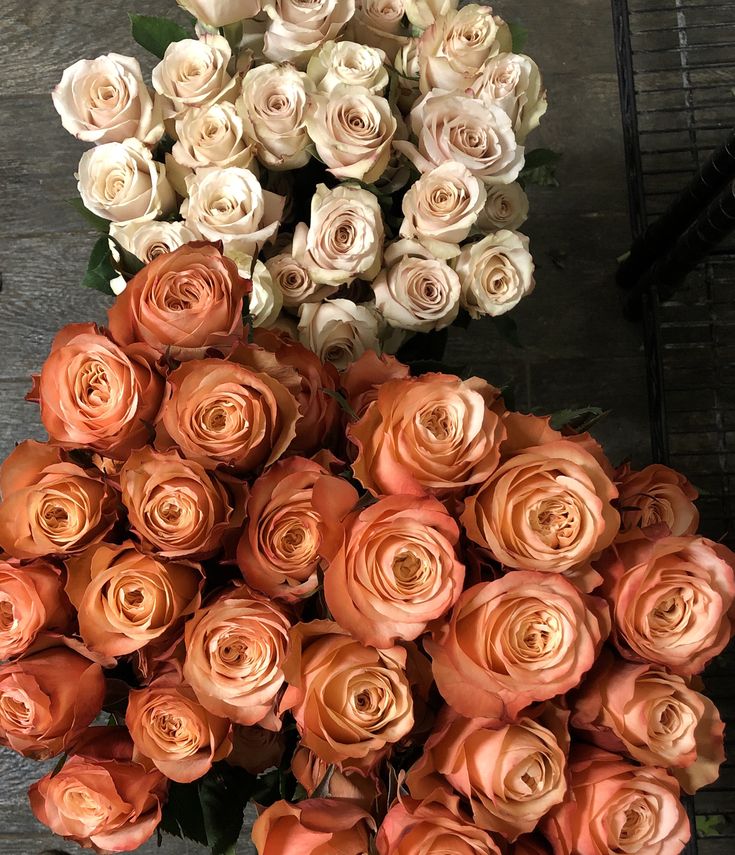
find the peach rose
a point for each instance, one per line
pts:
(182, 303)
(433, 434)
(256, 749)
(174, 505)
(126, 599)
(673, 600)
(316, 826)
(351, 703)
(235, 651)
(655, 496)
(525, 637)
(654, 717)
(51, 506)
(32, 603)
(47, 700)
(297, 30)
(291, 514)
(339, 331)
(362, 380)
(94, 394)
(396, 570)
(617, 807)
(315, 775)
(100, 798)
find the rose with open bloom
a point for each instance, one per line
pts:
(182, 303)
(294, 282)
(94, 394)
(433, 434)
(100, 798)
(125, 598)
(47, 700)
(348, 63)
(673, 600)
(147, 241)
(289, 512)
(235, 650)
(51, 506)
(339, 331)
(209, 136)
(351, 703)
(379, 24)
(525, 637)
(220, 13)
(506, 208)
(105, 100)
(396, 570)
(297, 30)
(423, 13)
(362, 379)
(655, 496)
(617, 807)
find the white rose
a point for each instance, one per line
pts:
(211, 136)
(148, 240)
(416, 291)
(297, 29)
(294, 282)
(495, 273)
(406, 64)
(379, 24)
(220, 13)
(273, 107)
(450, 126)
(105, 100)
(440, 209)
(265, 299)
(506, 207)
(348, 63)
(339, 331)
(231, 206)
(423, 13)
(344, 239)
(121, 182)
(352, 131)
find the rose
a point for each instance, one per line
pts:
(266, 299)
(182, 303)
(94, 394)
(348, 63)
(338, 331)
(121, 182)
(506, 207)
(126, 599)
(433, 434)
(655, 496)
(149, 240)
(523, 638)
(47, 700)
(351, 703)
(51, 506)
(548, 508)
(220, 13)
(273, 108)
(315, 775)
(379, 24)
(406, 64)
(396, 570)
(297, 30)
(344, 238)
(256, 749)
(440, 209)
(212, 135)
(173, 733)
(294, 282)
(416, 291)
(313, 825)
(291, 510)
(174, 505)
(672, 600)
(363, 378)
(100, 798)
(617, 807)
(423, 13)
(352, 130)
(105, 100)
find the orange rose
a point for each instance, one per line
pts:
(362, 379)
(313, 773)
(175, 506)
(47, 700)
(94, 394)
(525, 637)
(281, 547)
(396, 570)
(654, 717)
(32, 602)
(182, 303)
(673, 600)
(351, 703)
(617, 807)
(433, 434)
(51, 506)
(314, 826)
(235, 651)
(126, 599)
(173, 732)
(256, 749)
(530, 844)
(654, 496)
(100, 798)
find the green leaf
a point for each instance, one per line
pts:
(578, 419)
(508, 329)
(711, 825)
(540, 167)
(156, 34)
(342, 401)
(59, 765)
(100, 271)
(129, 263)
(519, 36)
(223, 798)
(97, 223)
(182, 813)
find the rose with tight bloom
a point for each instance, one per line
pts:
(655, 496)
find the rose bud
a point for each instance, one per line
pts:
(362, 379)
(314, 774)
(653, 497)
(256, 749)
(100, 798)
(47, 700)
(51, 506)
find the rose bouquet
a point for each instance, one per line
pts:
(398, 616)
(362, 161)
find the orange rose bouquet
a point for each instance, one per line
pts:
(396, 615)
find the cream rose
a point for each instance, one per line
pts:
(148, 240)
(350, 64)
(121, 182)
(379, 24)
(406, 64)
(210, 136)
(496, 273)
(423, 13)
(266, 299)
(338, 331)
(513, 82)
(297, 28)
(105, 100)
(220, 13)
(294, 282)
(506, 207)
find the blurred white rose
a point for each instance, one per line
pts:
(294, 282)
(219, 13)
(348, 63)
(339, 331)
(423, 13)
(506, 207)
(265, 299)
(297, 29)
(148, 240)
